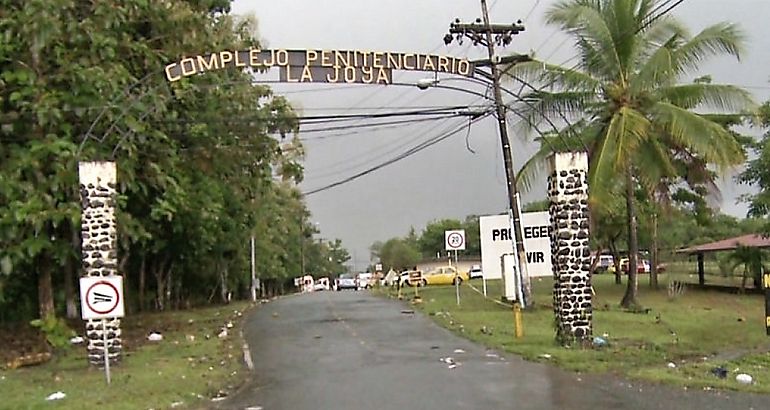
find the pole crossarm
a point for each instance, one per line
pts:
(480, 32)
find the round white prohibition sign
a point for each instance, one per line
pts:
(102, 292)
(455, 240)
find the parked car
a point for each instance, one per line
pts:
(643, 266)
(475, 272)
(403, 278)
(347, 281)
(365, 280)
(321, 284)
(605, 263)
(445, 275)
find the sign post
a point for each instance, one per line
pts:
(454, 241)
(766, 284)
(414, 279)
(101, 297)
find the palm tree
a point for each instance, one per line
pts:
(636, 119)
(752, 260)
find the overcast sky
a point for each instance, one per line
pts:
(448, 180)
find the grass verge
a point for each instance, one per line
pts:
(677, 340)
(188, 367)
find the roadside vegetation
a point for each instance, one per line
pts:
(189, 367)
(204, 164)
(677, 338)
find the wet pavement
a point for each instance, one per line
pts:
(351, 350)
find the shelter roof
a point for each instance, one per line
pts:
(750, 240)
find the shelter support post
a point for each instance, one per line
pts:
(701, 273)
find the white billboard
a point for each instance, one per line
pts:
(496, 240)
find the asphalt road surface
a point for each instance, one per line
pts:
(351, 350)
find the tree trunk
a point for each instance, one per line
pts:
(223, 283)
(142, 282)
(45, 288)
(161, 283)
(743, 280)
(69, 289)
(616, 262)
(160, 291)
(70, 275)
(654, 253)
(595, 262)
(169, 287)
(629, 299)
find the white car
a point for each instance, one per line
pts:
(365, 280)
(475, 272)
(347, 281)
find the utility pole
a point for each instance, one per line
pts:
(482, 32)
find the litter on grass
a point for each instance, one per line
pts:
(56, 396)
(744, 378)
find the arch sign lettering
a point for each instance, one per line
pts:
(325, 66)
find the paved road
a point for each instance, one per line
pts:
(351, 350)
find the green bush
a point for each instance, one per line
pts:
(56, 331)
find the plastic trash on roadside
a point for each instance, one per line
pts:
(720, 372)
(744, 378)
(155, 337)
(76, 340)
(56, 396)
(600, 342)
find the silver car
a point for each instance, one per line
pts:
(347, 281)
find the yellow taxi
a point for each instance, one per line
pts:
(444, 275)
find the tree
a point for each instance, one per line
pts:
(398, 254)
(194, 184)
(634, 116)
(757, 172)
(752, 260)
(432, 240)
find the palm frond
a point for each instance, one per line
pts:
(541, 74)
(624, 133)
(662, 31)
(701, 137)
(584, 20)
(569, 139)
(716, 96)
(615, 146)
(658, 68)
(715, 40)
(654, 164)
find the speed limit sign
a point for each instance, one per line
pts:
(454, 240)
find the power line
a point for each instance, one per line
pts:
(366, 158)
(373, 154)
(376, 126)
(537, 3)
(400, 157)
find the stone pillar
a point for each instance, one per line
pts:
(99, 249)
(570, 251)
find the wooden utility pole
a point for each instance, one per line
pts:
(482, 32)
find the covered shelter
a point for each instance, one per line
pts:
(729, 244)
